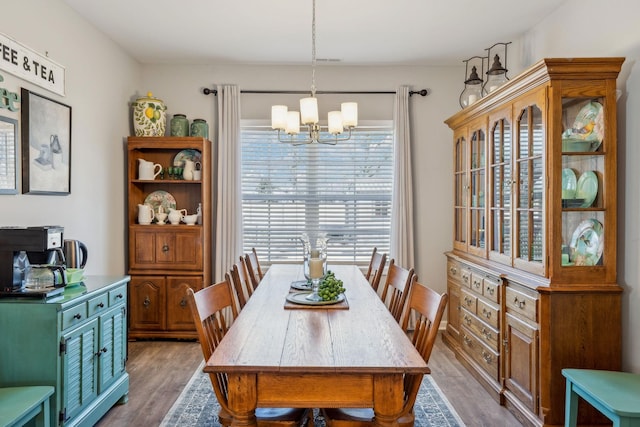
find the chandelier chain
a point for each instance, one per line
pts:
(313, 50)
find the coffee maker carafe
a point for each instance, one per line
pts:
(41, 244)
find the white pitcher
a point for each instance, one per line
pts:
(145, 214)
(148, 170)
(176, 215)
(187, 171)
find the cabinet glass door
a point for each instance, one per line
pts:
(501, 183)
(461, 193)
(477, 187)
(529, 166)
(583, 177)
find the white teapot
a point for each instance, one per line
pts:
(176, 215)
(148, 170)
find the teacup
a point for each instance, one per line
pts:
(161, 218)
(190, 219)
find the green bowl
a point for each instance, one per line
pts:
(74, 275)
(575, 145)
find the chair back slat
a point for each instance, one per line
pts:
(252, 265)
(396, 289)
(376, 268)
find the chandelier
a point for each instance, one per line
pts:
(289, 122)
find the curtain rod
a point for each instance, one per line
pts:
(423, 92)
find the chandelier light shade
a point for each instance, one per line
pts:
(290, 122)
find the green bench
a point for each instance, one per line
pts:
(20, 405)
(615, 394)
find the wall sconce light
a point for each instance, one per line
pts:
(497, 74)
(473, 84)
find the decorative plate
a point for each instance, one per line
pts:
(301, 298)
(160, 198)
(588, 126)
(301, 285)
(587, 188)
(568, 183)
(183, 155)
(587, 243)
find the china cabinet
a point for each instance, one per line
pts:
(165, 258)
(76, 342)
(532, 272)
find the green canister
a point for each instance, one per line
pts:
(179, 125)
(199, 127)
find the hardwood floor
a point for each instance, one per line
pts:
(159, 370)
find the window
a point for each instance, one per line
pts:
(343, 190)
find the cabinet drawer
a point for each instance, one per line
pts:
(483, 355)
(476, 283)
(97, 304)
(74, 315)
(521, 303)
(491, 288)
(468, 301)
(453, 271)
(465, 275)
(489, 313)
(117, 295)
(481, 330)
(166, 250)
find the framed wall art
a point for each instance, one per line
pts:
(8, 155)
(46, 145)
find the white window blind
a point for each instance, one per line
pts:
(343, 190)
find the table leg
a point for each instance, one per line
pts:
(242, 399)
(571, 406)
(388, 399)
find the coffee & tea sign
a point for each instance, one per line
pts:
(29, 65)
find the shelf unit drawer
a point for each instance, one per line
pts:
(117, 295)
(483, 355)
(468, 301)
(98, 304)
(453, 271)
(74, 315)
(484, 332)
(489, 313)
(521, 303)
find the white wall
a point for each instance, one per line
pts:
(596, 28)
(100, 79)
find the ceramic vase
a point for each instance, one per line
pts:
(149, 116)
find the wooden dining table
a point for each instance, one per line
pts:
(279, 355)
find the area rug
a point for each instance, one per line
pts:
(197, 406)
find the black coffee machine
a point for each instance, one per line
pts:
(41, 244)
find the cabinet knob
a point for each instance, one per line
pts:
(146, 302)
(77, 316)
(101, 305)
(183, 303)
(165, 248)
(101, 351)
(119, 296)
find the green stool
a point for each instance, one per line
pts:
(614, 394)
(19, 405)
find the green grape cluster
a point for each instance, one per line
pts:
(330, 287)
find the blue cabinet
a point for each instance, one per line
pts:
(76, 342)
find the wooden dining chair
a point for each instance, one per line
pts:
(210, 307)
(427, 308)
(253, 267)
(241, 283)
(376, 268)
(396, 288)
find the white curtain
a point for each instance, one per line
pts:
(227, 187)
(402, 200)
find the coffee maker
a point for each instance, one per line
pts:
(40, 244)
